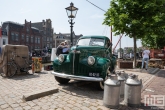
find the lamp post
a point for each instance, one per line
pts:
(71, 12)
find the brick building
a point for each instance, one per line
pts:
(46, 31)
(23, 34)
(4, 37)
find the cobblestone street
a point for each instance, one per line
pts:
(74, 96)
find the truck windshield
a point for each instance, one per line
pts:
(91, 42)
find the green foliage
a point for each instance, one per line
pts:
(153, 41)
(120, 50)
(139, 49)
(129, 50)
(138, 18)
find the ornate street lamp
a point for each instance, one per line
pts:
(71, 12)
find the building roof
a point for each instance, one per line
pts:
(37, 25)
(35, 28)
(13, 23)
(5, 24)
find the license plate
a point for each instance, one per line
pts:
(94, 74)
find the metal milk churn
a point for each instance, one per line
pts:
(121, 78)
(111, 93)
(132, 93)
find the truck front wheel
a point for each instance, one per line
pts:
(100, 85)
(62, 80)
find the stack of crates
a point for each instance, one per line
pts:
(157, 53)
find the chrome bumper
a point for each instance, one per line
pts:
(83, 78)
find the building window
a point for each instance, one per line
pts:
(27, 38)
(31, 39)
(35, 39)
(23, 37)
(50, 45)
(16, 37)
(12, 36)
(39, 40)
(47, 39)
(4, 41)
(51, 39)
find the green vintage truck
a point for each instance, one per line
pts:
(90, 59)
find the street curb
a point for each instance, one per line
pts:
(38, 94)
(155, 71)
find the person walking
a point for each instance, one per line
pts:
(145, 56)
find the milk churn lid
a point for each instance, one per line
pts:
(121, 76)
(133, 80)
(112, 82)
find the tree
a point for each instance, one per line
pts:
(136, 18)
(153, 41)
(129, 50)
(120, 50)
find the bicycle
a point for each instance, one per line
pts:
(13, 66)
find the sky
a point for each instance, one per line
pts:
(88, 20)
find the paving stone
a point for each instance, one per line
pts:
(14, 105)
(103, 108)
(45, 107)
(18, 108)
(2, 102)
(85, 108)
(27, 107)
(30, 103)
(4, 106)
(59, 109)
(76, 108)
(23, 104)
(9, 108)
(36, 108)
(53, 107)
(93, 108)
(78, 105)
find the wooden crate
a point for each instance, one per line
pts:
(125, 64)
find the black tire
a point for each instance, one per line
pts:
(100, 85)
(11, 70)
(62, 80)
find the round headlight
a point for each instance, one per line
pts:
(61, 58)
(91, 60)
